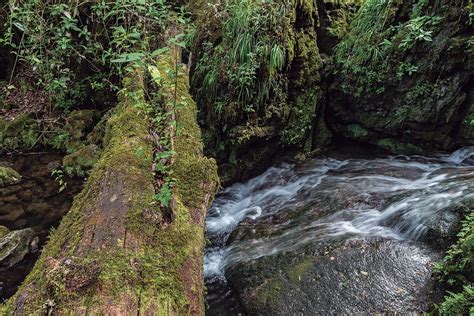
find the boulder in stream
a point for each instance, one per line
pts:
(15, 245)
(347, 277)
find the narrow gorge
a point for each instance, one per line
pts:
(236, 157)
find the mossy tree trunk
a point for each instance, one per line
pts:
(112, 253)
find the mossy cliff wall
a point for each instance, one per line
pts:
(404, 76)
(112, 253)
(256, 78)
(273, 76)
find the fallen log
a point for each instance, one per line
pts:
(112, 254)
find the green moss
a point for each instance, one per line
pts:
(267, 293)
(97, 134)
(22, 132)
(196, 179)
(321, 134)
(398, 147)
(77, 126)
(82, 160)
(3, 231)
(340, 14)
(297, 272)
(356, 131)
(301, 118)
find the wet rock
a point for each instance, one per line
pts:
(355, 276)
(14, 246)
(8, 176)
(442, 226)
(11, 213)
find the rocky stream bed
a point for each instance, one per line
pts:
(336, 236)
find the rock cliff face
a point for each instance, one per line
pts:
(404, 75)
(395, 74)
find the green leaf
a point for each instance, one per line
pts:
(126, 58)
(165, 154)
(19, 26)
(164, 196)
(159, 51)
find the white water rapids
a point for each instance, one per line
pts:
(290, 206)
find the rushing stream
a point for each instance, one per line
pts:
(412, 204)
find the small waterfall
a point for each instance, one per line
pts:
(290, 206)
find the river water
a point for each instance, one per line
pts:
(404, 199)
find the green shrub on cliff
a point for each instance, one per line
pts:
(245, 63)
(375, 46)
(256, 77)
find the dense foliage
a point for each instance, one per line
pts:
(81, 49)
(457, 269)
(248, 59)
(374, 44)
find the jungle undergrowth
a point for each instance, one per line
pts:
(79, 50)
(455, 270)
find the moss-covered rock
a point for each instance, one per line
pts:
(78, 125)
(398, 147)
(14, 246)
(257, 83)
(82, 160)
(8, 176)
(3, 231)
(28, 131)
(21, 133)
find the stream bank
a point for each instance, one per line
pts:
(29, 209)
